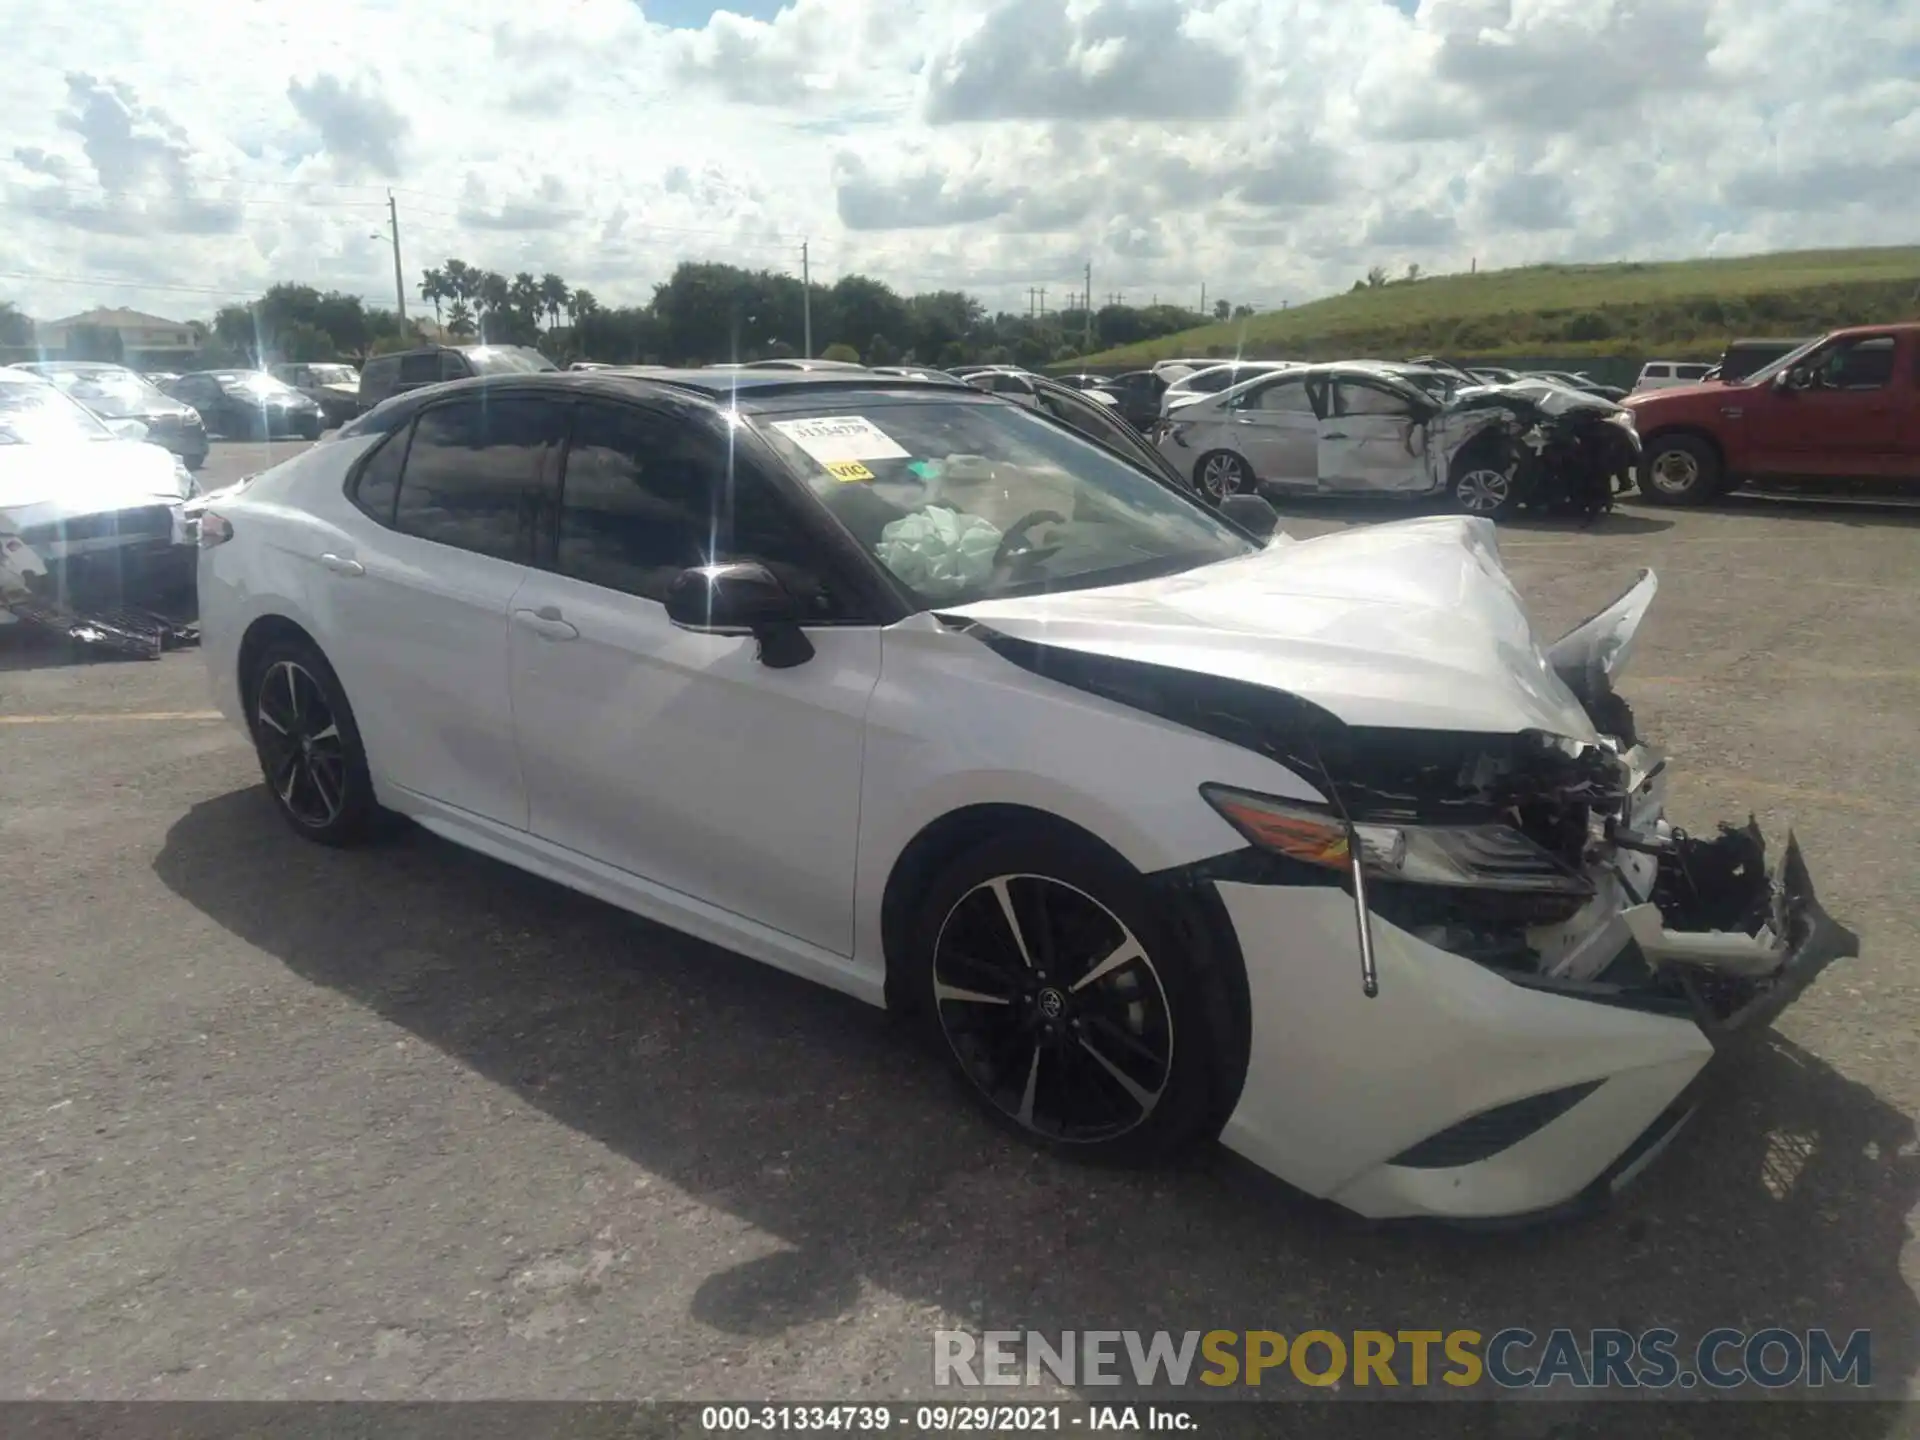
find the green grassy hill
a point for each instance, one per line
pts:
(1684, 309)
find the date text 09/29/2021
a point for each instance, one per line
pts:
(945, 1419)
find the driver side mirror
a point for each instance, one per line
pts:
(1251, 513)
(741, 598)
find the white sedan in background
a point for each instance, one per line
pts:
(92, 520)
(1218, 378)
(1161, 827)
(1384, 429)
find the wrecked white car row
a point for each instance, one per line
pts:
(96, 534)
(1409, 430)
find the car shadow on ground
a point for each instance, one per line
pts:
(823, 1123)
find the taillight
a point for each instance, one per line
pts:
(214, 530)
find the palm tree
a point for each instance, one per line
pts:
(433, 289)
(583, 305)
(555, 296)
(525, 293)
(494, 294)
(459, 319)
(462, 283)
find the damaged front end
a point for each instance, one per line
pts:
(1568, 452)
(1544, 857)
(120, 582)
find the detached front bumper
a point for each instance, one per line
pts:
(118, 590)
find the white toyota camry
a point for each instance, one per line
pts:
(1163, 826)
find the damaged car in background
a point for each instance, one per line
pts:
(1374, 428)
(1161, 826)
(95, 540)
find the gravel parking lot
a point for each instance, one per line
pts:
(402, 1122)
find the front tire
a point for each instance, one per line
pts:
(309, 747)
(1679, 470)
(1482, 488)
(1046, 974)
(1221, 473)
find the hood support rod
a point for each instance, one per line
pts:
(1363, 916)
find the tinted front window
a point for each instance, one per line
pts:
(968, 501)
(1858, 365)
(647, 496)
(476, 474)
(419, 369)
(1365, 400)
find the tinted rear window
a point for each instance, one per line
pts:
(477, 473)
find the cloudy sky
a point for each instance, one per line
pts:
(173, 154)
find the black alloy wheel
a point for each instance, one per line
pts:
(309, 747)
(1053, 1008)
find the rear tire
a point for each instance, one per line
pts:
(1680, 470)
(309, 747)
(1090, 1029)
(1220, 473)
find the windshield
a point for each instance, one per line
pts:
(1786, 362)
(35, 414)
(112, 393)
(507, 360)
(966, 501)
(333, 374)
(252, 384)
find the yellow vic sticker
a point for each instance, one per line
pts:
(848, 470)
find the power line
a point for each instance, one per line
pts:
(120, 284)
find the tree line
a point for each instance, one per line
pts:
(705, 312)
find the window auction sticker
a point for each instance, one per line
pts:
(835, 438)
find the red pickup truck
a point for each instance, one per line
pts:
(1843, 407)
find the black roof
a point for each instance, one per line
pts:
(748, 389)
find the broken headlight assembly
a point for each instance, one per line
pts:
(1489, 856)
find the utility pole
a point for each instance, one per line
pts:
(399, 284)
(1043, 302)
(1086, 342)
(806, 300)
(1203, 297)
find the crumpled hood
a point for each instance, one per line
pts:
(1409, 625)
(40, 484)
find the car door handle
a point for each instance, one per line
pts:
(1334, 435)
(340, 565)
(547, 622)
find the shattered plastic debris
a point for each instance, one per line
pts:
(142, 634)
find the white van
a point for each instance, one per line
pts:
(1665, 374)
